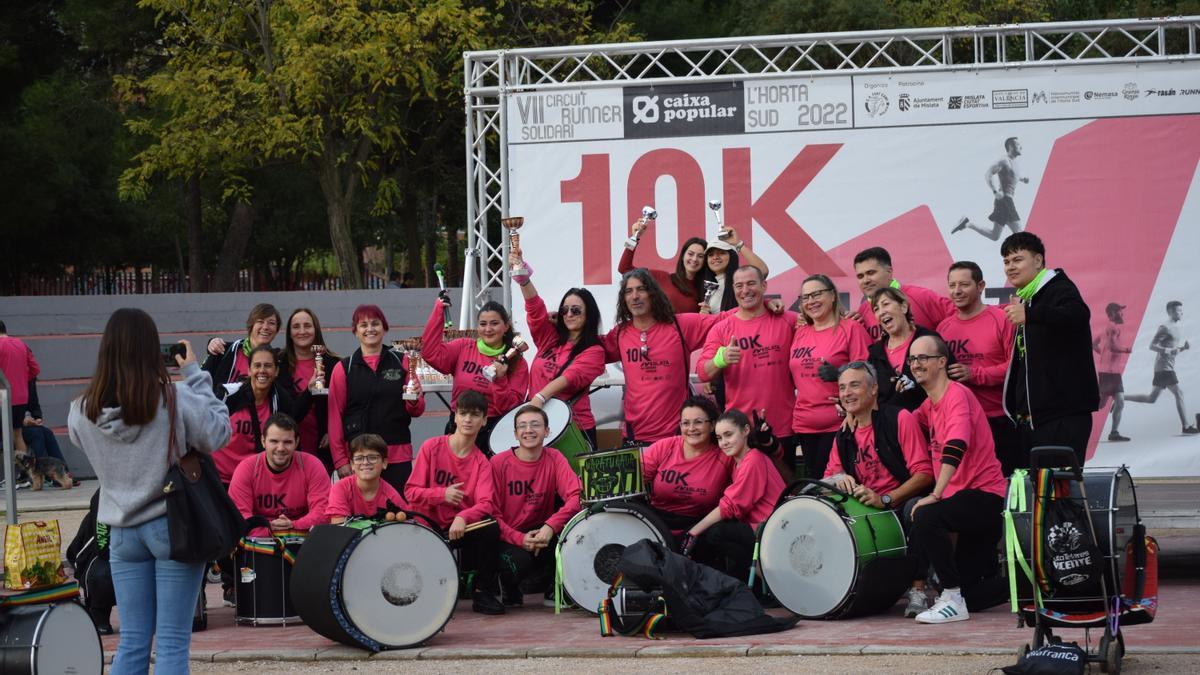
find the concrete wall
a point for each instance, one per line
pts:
(64, 334)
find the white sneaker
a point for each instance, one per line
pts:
(949, 607)
(917, 602)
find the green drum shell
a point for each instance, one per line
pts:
(813, 551)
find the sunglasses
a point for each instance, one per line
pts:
(572, 310)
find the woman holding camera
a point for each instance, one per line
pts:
(122, 422)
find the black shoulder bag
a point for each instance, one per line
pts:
(203, 522)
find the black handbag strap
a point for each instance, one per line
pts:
(173, 454)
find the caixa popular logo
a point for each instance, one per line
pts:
(684, 110)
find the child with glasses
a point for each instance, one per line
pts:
(530, 481)
(364, 494)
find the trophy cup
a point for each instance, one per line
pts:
(513, 225)
(518, 347)
(714, 205)
(318, 388)
(648, 213)
(710, 290)
(440, 272)
(412, 388)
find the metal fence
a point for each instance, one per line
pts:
(130, 282)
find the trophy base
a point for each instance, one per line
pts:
(631, 244)
(319, 392)
(411, 397)
(724, 235)
(519, 271)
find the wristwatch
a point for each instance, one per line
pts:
(886, 499)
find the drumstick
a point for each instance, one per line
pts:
(479, 525)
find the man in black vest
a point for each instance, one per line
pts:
(880, 457)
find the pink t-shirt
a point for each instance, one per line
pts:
(928, 309)
(761, 379)
(869, 470)
(551, 356)
(656, 382)
(688, 487)
(339, 447)
(462, 359)
(846, 341)
(756, 486)
(437, 467)
(1111, 350)
(346, 499)
(958, 416)
(300, 492)
(19, 366)
(301, 374)
(242, 442)
(897, 355)
(527, 491)
(983, 343)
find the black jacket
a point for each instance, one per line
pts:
(220, 366)
(281, 400)
(1058, 375)
(910, 399)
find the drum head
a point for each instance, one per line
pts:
(591, 547)
(400, 585)
(808, 557)
(504, 434)
(52, 639)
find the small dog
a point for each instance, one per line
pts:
(38, 469)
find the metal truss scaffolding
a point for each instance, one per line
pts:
(491, 75)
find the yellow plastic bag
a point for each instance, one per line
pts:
(33, 555)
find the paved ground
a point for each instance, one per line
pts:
(529, 636)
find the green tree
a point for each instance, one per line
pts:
(323, 83)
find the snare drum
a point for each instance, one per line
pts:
(263, 576)
(591, 544)
(49, 640)
(833, 557)
(377, 586)
(608, 475)
(565, 435)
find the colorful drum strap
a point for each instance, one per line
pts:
(42, 596)
(1018, 502)
(272, 547)
(649, 621)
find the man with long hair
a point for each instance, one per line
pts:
(653, 345)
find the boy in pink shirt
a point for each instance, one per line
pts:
(981, 339)
(750, 348)
(289, 489)
(364, 493)
(968, 495)
(452, 483)
(724, 538)
(529, 481)
(873, 269)
(654, 346)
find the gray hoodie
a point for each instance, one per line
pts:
(131, 461)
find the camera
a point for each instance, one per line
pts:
(169, 351)
(631, 602)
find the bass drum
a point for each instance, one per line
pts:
(1112, 501)
(49, 640)
(591, 545)
(832, 557)
(377, 586)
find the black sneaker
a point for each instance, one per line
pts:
(512, 595)
(228, 597)
(1116, 437)
(486, 603)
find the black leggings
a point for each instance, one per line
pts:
(396, 474)
(727, 546)
(516, 564)
(816, 448)
(976, 517)
(478, 550)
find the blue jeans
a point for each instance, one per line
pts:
(42, 443)
(155, 596)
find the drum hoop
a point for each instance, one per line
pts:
(343, 616)
(843, 519)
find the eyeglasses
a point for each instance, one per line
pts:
(815, 294)
(366, 459)
(533, 426)
(922, 358)
(572, 310)
(693, 423)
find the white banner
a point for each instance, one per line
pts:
(1107, 182)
